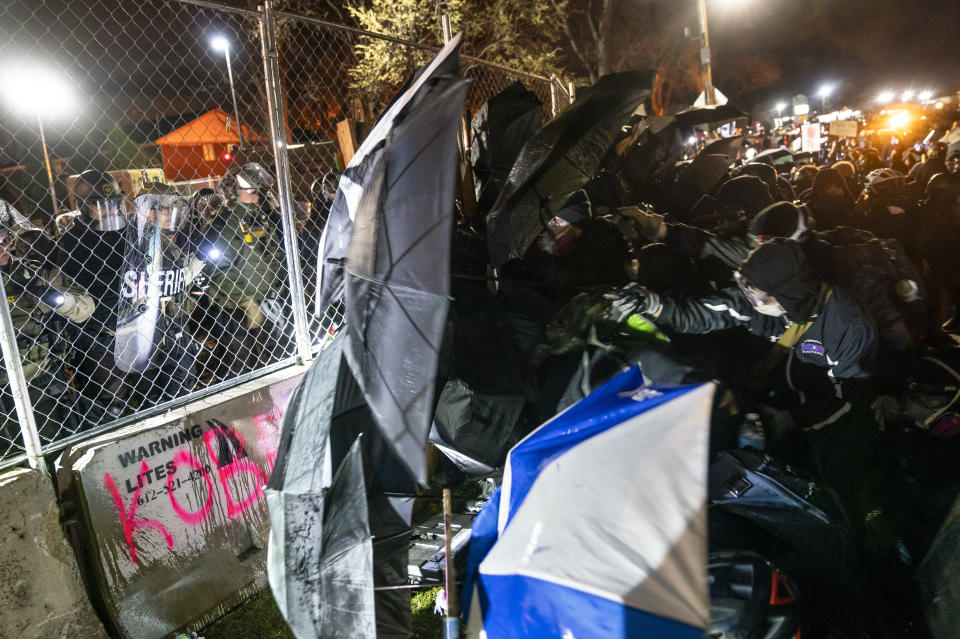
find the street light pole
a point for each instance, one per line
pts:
(706, 74)
(221, 43)
(46, 159)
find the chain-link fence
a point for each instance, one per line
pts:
(167, 167)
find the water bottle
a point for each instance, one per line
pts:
(750, 434)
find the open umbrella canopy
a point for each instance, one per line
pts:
(398, 266)
(717, 114)
(559, 159)
(599, 529)
(777, 156)
(500, 127)
(335, 241)
(729, 147)
(320, 558)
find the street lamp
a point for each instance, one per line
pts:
(221, 44)
(780, 106)
(824, 91)
(35, 91)
(907, 95)
(885, 97)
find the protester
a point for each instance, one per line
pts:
(831, 203)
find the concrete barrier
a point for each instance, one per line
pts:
(41, 592)
(169, 517)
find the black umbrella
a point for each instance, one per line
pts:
(398, 267)
(716, 114)
(335, 241)
(560, 159)
(500, 127)
(729, 147)
(320, 559)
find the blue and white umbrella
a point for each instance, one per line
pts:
(600, 526)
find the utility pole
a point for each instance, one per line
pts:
(706, 75)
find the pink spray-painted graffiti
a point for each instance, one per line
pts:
(241, 480)
(186, 458)
(128, 518)
(227, 447)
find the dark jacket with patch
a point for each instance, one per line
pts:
(841, 338)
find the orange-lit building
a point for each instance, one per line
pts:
(201, 148)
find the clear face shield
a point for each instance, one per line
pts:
(762, 302)
(108, 214)
(167, 212)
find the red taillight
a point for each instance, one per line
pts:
(780, 591)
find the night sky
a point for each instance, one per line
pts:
(770, 50)
(764, 51)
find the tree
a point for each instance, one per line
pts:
(578, 39)
(606, 36)
(383, 65)
(121, 152)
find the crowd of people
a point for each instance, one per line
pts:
(121, 308)
(822, 297)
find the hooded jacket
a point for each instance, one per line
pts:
(831, 210)
(825, 327)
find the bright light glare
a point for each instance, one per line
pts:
(825, 90)
(781, 106)
(907, 95)
(692, 140)
(899, 120)
(36, 91)
(220, 43)
(925, 95)
(885, 97)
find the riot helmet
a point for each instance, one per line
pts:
(253, 177)
(162, 206)
(99, 198)
(21, 238)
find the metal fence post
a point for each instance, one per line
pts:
(278, 137)
(554, 107)
(18, 386)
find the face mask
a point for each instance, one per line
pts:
(771, 309)
(557, 246)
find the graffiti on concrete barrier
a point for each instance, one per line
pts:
(172, 472)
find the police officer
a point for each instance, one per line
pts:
(245, 268)
(91, 256)
(159, 269)
(45, 310)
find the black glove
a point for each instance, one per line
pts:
(631, 300)
(570, 327)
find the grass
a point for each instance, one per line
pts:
(426, 624)
(259, 618)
